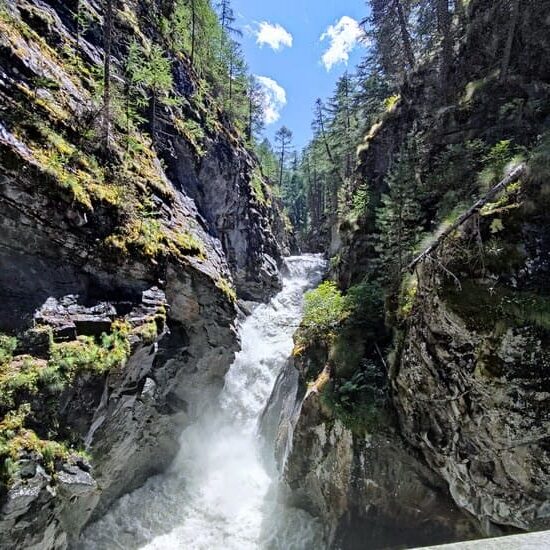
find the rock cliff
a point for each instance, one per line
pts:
(454, 446)
(119, 280)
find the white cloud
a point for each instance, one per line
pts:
(274, 99)
(344, 36)
(274, 36)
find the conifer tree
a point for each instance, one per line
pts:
(108, 15)
(152, 73)
(283, 139)
(390, 30)
(256, 101)
(398, 220)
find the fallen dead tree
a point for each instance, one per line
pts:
(512, 177)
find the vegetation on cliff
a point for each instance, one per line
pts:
(433, 131)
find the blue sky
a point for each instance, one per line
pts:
(298, 68)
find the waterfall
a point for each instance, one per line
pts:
(218, 493)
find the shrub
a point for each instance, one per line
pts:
(360, 201)
(15, 438)
(324, 310)
(85, 354)
(7, 347)
(497, 162)
(365, 306)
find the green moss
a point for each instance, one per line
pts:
(257, 185)
(15, 439)
(390, 103)
(148, 332)
(185, 243)
(482, 306)
(148, 237)
(228, 289)
(87, 355)
(407, 297)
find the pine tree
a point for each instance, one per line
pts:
(389, 28)
(268, 160)
(227, 22)
(107, 47)
(256, 102)
(151, 72)
(283, 139)
(398, 220)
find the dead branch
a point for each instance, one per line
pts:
(512, 177)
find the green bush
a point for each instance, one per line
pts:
(361, 201)
(7, 347)
(324, 310)
(497, 163)
(365, 306)
(359, 405)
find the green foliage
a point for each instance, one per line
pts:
(16, 439)
(497, 163)
(361, 201)
(228, 289)
(194, 134)
(364, 304)
(87, 355)
(391, 102)
(358, 401)
(398, 221)
(407, 298)
(324, 310)
(258, 187)
(148, 332)
(7, 347)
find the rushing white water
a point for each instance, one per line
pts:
(217, 493)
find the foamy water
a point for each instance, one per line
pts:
(217, 493)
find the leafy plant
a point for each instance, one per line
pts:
(324, 310)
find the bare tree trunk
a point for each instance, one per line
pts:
(509, 41)
(282, 163)
(193, 31)
(154, 117)
(107, 46)
(405, 35)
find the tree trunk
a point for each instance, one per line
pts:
(282, 163)
(107, 46)
(193, 31)
(405, 36)
(250, 115)
(509, 41)
(154, 117)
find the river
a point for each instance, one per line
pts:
(218, 493)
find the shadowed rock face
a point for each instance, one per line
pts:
(56, 270)
(360, 485)
(472, 387)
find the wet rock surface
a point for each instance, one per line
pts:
(359, 485)
(59, 276)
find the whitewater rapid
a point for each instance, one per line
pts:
(218, 494)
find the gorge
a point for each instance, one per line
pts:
(212, 341)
